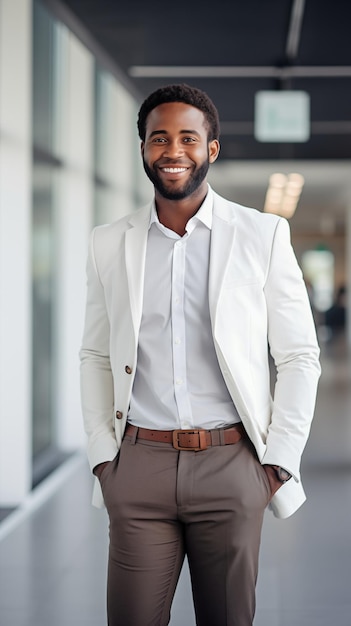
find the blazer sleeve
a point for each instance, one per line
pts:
(294, 348)
(96, 381)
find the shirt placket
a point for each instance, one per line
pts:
(178, 335)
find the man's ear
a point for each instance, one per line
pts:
(142, 148)
(213, 150)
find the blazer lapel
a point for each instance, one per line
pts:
(223, 240)
(222, 243)
(135, 252)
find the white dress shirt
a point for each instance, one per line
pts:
(178, 382)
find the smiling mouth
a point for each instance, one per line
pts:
(173, 170)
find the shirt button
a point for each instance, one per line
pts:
(179, 381)
(128, 369)
(119, 415)
(177, 340)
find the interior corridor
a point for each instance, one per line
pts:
(53, 551)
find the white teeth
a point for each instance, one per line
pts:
(174, 170)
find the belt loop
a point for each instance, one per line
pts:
(215, 437)
(134, 435)
(221, 436)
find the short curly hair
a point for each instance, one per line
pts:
(180, 93)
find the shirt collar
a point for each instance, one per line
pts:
(204, 214)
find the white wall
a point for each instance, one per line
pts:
(15, 255)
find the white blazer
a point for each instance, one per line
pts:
(258, 301)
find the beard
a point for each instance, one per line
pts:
(191, 185)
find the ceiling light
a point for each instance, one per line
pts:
(283, 194)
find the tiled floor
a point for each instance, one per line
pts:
(53, 561)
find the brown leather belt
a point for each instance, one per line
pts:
(194, 440)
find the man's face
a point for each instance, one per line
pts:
(176, 152)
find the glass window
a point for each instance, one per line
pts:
(43, 78)
(318, 269)
(45, 164)
(43, 246)
(104, 156)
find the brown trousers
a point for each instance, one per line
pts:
(163, 504)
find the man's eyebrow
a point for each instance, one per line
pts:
(158, 132)
(190, 132)
(183, 132)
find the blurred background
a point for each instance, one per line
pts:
(73, 74)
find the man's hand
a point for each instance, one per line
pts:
(98, 469)
(274, 481)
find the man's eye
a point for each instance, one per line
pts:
(188, 139)
(159, 140)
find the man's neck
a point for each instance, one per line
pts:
(175, 214)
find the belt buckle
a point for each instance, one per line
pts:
(202, 440)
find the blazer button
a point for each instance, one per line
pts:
(128, 369)
(119, 415)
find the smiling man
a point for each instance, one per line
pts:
(179, 156)
(189, 448)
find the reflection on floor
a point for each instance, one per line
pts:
(53, 560)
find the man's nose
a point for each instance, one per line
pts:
(173, 149)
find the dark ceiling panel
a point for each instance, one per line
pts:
(226, 33)
(325, 36)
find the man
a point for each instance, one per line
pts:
(184, 299)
